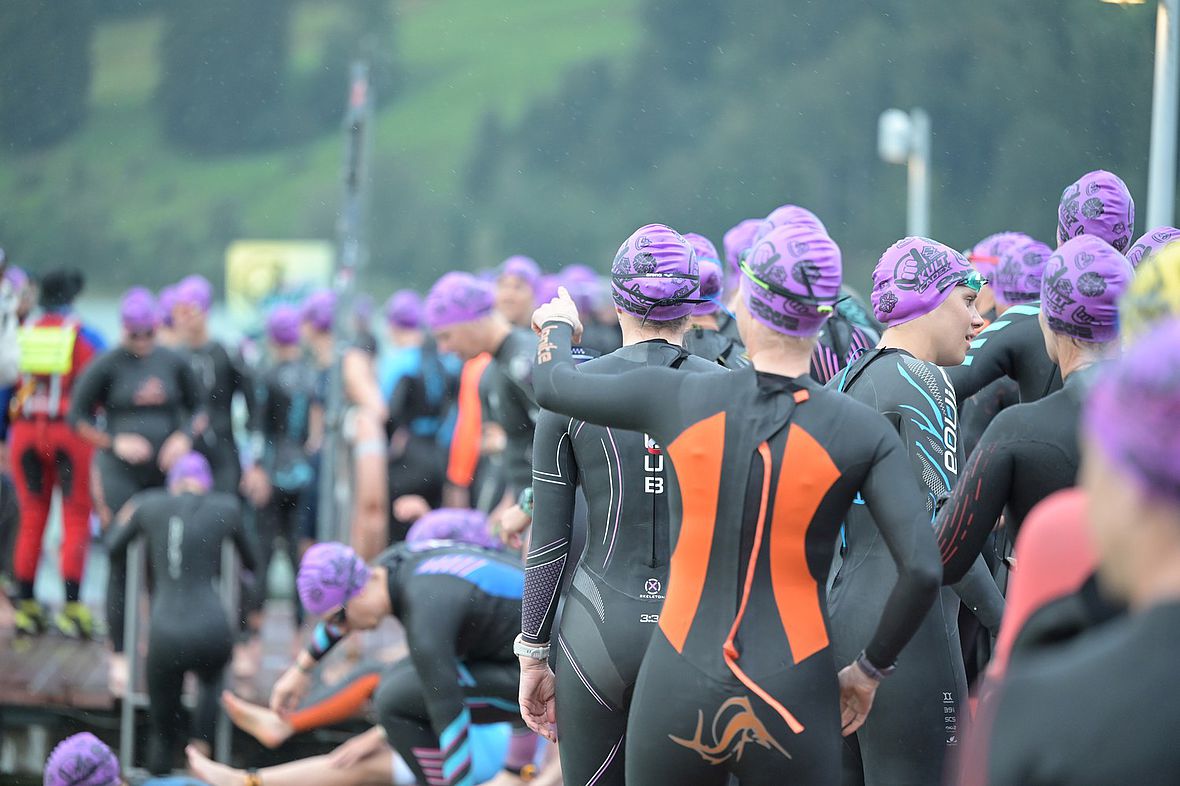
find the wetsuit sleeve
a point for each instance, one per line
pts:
(127, 525)
(324, 637)
(555, 485)
(89, 392)
(965, 522)
(245, 541)
(979, 593)
(894, 502)
(432, 633)
(243, 383)
(192, 399)
(644, 399)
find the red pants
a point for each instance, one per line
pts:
(45, 454)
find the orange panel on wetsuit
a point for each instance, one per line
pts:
(465, 443)
(697, 455)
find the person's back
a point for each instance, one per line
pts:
(512, 404)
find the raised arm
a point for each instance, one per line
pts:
(644, 399)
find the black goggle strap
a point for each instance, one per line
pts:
(824, 305)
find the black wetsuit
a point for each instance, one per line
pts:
(189, 628)
(1028, 452)
(716, 347)
(977, 412)
(614, 602)
(220, 378)
(512, 405)
(1096, 711)
(285, 395)
(1012, 346)
(154, 396)
(421, 400)
(915, 717)
(460, 606)
(841, 342)
(764, 468)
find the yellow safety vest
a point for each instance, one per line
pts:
(46, 350)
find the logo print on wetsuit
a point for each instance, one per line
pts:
(734, 726)
(150, 393)
(652, 587)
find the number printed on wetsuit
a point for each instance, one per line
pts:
(175, 537)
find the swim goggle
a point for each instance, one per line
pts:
(969, 278)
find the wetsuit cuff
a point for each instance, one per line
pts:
(876, 672)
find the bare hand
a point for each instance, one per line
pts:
(559, 309)
(173, 448)
(256, 486)
(132, 448)
(538, 691)
(857, 690)
(289, 690)
(509, 526)
(358, 749)
(410, 507)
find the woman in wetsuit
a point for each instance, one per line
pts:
(152, 406)
(189, 630)
(740, 678)
(618, 586)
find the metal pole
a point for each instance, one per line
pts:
(1161, 174)
(918, 180)
(134, 558)
(223, 737)
(332, 522)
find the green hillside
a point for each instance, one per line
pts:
(138, 209)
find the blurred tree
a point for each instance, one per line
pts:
(224, 65)
(45, 64)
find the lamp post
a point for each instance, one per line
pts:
(1161, 167)
(904, 138)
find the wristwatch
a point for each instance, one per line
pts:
(871, 670)
(523, 649)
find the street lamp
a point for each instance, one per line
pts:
(1161, 166)
(904, 138)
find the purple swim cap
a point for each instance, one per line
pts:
(547, 287)
(786, 215)
(457, 298)
(737, 241)
(16, 277)
(1081, 287)
(195, 291)
(709, 264)
(1098, 204)
(791, 279)
(655, 274)
(282, 324)
(914, 276)
(404, 309)
(987, 254)
(1151, 242)
(166, 302)
(1133, 409)
(138, 311)
(1018, 278)
(191, 466)
(330, 575)
(524, 268)
(82, 760)
(319, 309)
(460, 524)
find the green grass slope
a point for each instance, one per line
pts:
(119, 200)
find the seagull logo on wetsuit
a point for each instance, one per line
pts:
(739, 727)
(151, 393)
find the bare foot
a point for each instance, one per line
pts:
(210, 771)
(261, 723)
(117, 674)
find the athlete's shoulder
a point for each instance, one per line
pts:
(224, 503)
(150, 499)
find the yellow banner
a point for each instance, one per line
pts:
(260, 273)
